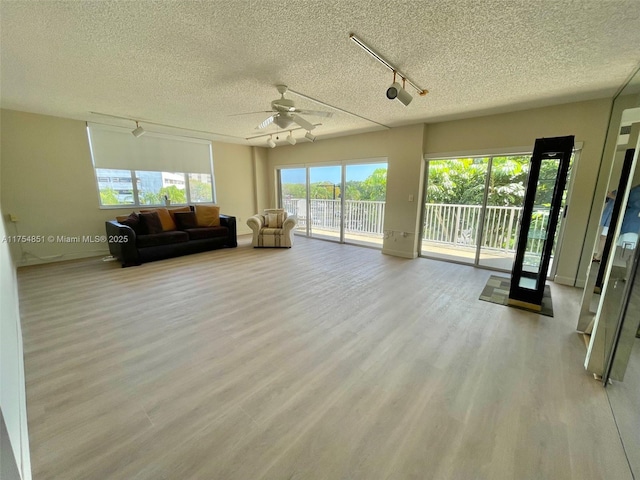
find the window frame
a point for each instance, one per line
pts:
(135, 187)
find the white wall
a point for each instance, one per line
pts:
(48, 182)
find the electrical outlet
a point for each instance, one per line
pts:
(13, 218)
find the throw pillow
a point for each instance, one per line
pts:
(133, 221)
(186, 220)
(165, 218)
(173, 211)
(151, 222)
(272, 220)
(208, 215)
(279, 216)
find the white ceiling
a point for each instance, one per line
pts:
(192, 64)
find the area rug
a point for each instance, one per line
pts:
(497, 291)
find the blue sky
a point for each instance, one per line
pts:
(330, 174)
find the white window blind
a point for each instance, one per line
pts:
(116, 148)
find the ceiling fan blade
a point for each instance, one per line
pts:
(302, 122)
(266, 122)
(283, 105)
(318, 113)
(248, 113)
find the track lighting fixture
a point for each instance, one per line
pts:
(271, 143)
(395, 90)
(138, 131)
(291, 139)
(310, 136)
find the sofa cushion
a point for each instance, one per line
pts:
(165, 218)
(133, 221)
(163, 238)
(185, 220)
(271, 231)
(208, 215)
(150, 223)
(202, 233)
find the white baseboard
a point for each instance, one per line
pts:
(63, 257)
(571, 281)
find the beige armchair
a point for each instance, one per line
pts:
(273, 228)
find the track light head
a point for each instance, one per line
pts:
(392, 91)
(291, 139)
(271, 143)
(395, 91)
(310, 136)
(138, 131)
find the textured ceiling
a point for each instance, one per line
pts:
(193, 64)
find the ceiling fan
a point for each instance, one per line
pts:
(284, 113)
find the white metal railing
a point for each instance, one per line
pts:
(450, 224)
(363, 217)
(459, 224)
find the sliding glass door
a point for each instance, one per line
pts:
(324, 199)
(472, 209)
(292, 184)
(343, 203)
(505, 193)
(365, 195)
(453, 208)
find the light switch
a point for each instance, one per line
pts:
(411, 198)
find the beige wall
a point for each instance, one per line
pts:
(233, 167)
(261, 176)
(586, 120)
(403, 149)
(48, 180)
(49, 184)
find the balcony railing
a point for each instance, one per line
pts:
(363, 217)
(453, 225)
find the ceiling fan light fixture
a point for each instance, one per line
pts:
(291, 139)
(271, 143)
(310, 136)
(138, 131)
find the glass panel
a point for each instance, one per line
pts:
(453, 203)
(156, 187)
(293, 195)
(504, 204)
(539, 223)
(365, 195)
(324, 202)
(200, 187)
(115, 186)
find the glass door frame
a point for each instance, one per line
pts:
(485, 197)
(490, 154)
(343, 164)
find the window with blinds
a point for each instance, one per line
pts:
(151, 169)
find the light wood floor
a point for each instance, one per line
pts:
(323, 361)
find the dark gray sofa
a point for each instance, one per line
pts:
(134, 249)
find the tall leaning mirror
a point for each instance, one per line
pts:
(611, 300)
(608, 251)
